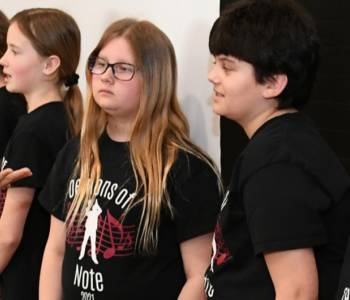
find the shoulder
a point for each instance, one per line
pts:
(47, 122)
(188, 167)
(70, 151)
(189, 164)
(289, 138)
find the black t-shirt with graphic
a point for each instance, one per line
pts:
(101, 259)
(35, 143)
(288, 191)
(12, 106)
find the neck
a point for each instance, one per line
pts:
(38, 98)
(118, 130)
(251, 127)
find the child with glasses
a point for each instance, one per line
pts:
(43, 50)
(133, 201)
(284, 221)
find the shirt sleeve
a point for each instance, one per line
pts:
(27, 150)
(195, 200)
(53, 196)
(284, 208)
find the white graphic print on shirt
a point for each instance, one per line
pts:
(102, 236)
(4, 190)
(346, 294)
(90, 231)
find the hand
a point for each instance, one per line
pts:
(8, 176)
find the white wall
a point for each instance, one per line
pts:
(186, 22)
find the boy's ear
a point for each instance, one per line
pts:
(275, 85)
(51, 65)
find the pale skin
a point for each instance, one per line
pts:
(50, 286)
(8, 176)
(238, 96)
(34, 76)
(196, 254)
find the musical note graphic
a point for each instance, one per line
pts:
(112, 237)
(220, 252)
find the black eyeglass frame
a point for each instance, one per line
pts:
(92, 61)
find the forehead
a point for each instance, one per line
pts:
(227, 58)
(15, 37)
(118, 50)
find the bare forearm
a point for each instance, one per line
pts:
(297, 293)
(193, 289)
(50, 287)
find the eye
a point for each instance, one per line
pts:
(13, 51)
(123, 68)
(100, 63)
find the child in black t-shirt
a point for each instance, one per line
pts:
(133, 201)
(43, 50)
(285, 218)
(12, 106)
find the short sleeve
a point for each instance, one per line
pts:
(27, 150)
(53, 196)
(284, 209)
(195, 200)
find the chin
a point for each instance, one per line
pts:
(217, 110)
(11, 89)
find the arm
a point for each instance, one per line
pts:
(195, 254)
(294, 274)
(12, 221)
(50, 286)
(8, 176)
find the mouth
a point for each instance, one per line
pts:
(6, 77)
(105, 92)
(217, 94)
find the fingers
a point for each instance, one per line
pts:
(9, 176)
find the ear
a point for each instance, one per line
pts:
(274, 86)
(51, 65)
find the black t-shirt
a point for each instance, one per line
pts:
(288, 191)
(101, 260)
(12, 106)
(35, 143)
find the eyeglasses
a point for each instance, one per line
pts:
(120, 70)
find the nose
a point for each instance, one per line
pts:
(213, 75)
(3, 59)
(108, 75)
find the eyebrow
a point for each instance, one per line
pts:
(13, 46)
(119, 61)
(227, 59)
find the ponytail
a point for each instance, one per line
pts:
(73, 103)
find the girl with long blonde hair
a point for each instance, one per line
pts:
(133, 201)
(43, 51)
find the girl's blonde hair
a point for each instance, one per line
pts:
(54, 32)
(160, 129)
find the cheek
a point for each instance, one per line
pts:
(133, 94)
(94, 86)
(23, 70)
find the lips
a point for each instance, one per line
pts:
(105, 92)
(217, 94)
(6, 78)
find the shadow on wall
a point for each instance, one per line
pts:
(196, 62)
